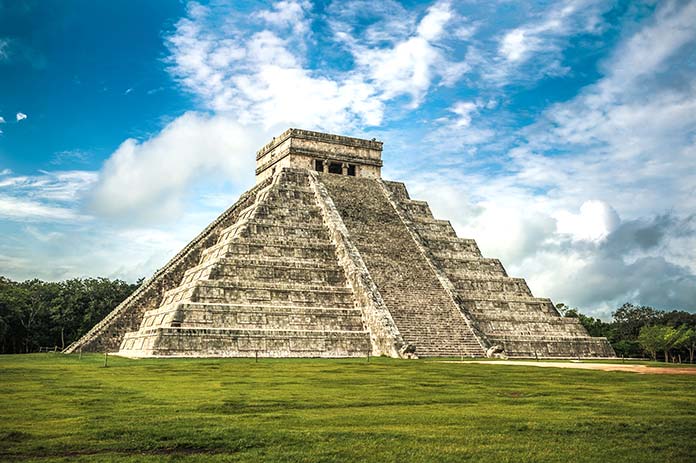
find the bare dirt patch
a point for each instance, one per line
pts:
(641, 369)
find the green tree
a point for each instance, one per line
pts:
(626, 348)
(629, 319)
(654, 339)
(35, 313)
(678, 339)
(690, 342)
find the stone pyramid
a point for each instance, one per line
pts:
(323, 258)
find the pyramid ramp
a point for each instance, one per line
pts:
(424, 312)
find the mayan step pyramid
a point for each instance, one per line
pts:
(323, 258)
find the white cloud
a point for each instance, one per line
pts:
(49, 196)
(595, 221)
(66, 186)
(262, 77)
(21, 116)
(463, 109)
(147, 180)
(594, 203)
(647, 51)
(534, 49)
(516, 44)
(2, 120)
(14, 208)
(387, 21)
(4, 49)
(289, 14)
(41, 235)
(453, 137)
(411, 64)
(565, 18)
(70, 156)
(616, 132)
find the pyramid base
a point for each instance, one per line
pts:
(207, 342)
(554, 347)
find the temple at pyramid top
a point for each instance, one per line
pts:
(321, 152)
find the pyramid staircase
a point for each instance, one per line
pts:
(423, 311)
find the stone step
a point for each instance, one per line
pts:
(494, 285)
(253, 276)
(239, 272)
(271, 228)
(271, 246)
(294, 176)
(409, 286)
(259, 292)
(418, 210)
(274, 294)
(281, 212)
(289, 196)
(435, 230)
(321, 251)
(282, 261)
(398, 190)
(452, 247)
(509, 302)
(470, 266)
(299, 186)
(523, 316)
(313, 229)
(191, 342)
(243, 263)
(549, 328)
(554, 346)
(245, 316)
(423, 223)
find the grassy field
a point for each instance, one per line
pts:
(59, 408)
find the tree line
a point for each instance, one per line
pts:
(637, 331)
(37, 313)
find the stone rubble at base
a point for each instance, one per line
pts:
(323, 258)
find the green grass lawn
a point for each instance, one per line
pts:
(59, 408)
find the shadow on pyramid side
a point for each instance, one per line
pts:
(323, 258)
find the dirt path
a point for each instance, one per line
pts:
(642, 369)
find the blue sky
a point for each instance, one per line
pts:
(560, 135)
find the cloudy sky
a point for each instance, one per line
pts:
(560, 135)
